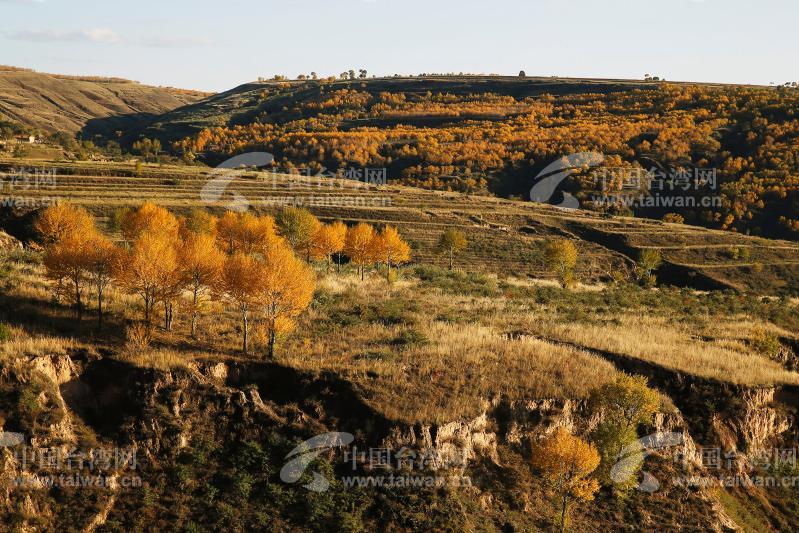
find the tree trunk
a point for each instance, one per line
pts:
(362, 271)
(99, 306)
(563, 512)
(246, 330)
(78, 302)
(194, 315)
(272, 336)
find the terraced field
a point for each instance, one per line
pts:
(504, 236)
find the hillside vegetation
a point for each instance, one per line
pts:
(505, 237)
(495, 134)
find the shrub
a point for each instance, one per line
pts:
(138, 337)
(673, 218)
(5, 332)
(411, 337)
(456, 281)
(764, 342)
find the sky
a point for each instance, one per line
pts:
(214, 46)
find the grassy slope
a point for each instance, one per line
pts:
(61, 103)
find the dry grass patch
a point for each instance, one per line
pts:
(159, 359)
(673, 345)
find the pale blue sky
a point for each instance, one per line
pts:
(216, 45)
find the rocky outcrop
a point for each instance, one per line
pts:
(9, 243)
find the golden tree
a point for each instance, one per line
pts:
(387, 247)
(298, 226)
(227, 229)
(566, 461)
(329, 240)
(148, 268)
(245, 232)
(242, 281)
(287, 289)
(149, 218)
(451, 242)
(61, 219)
(66, 262)
(255, 233)
(357, 245)
(201, 265)
(102, 255)
(560, 256)
(198, 221)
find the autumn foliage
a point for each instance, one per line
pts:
(567, 461)
(174, 263)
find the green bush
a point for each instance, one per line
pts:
(457, 281)
(5, 332)
(765, 343)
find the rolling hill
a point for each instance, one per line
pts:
(52, 102)
(495, 134)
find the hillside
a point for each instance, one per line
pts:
(495, 134)
(51, 102)
(469, 368)
(505, 236)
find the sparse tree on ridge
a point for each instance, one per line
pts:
(560, 256)
(649, 260)
(622, 405)
(451, 242)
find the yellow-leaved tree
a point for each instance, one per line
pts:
(387, 247)
(329, 240)
(566, 461)
(288, 288)
(298, 226)
(201, 263)
(149, 218)
(245, 232)
(60, 220)
(358, 245)
(66, 262)
(147, 268)
(560, 256)
(242, 281)
(622, 406)
(451, 242)
(102, 255)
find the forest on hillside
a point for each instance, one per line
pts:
(497, 140)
